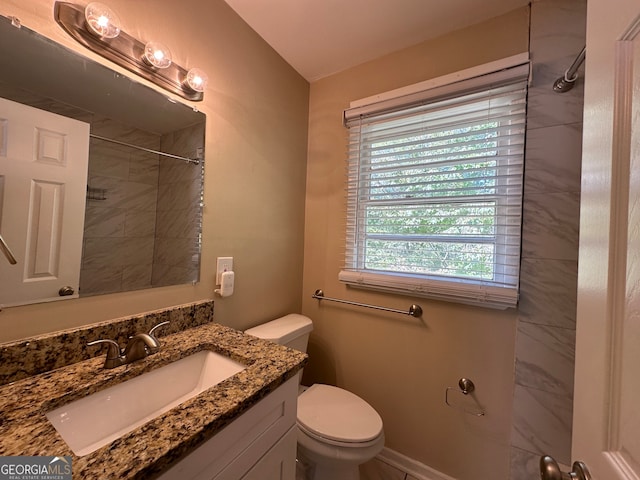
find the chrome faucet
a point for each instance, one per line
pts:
(139, 346)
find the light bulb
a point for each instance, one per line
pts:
(102, 21)
(197, 79)
(157, 55)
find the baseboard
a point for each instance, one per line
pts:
(414, 468)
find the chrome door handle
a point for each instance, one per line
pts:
(549, 470)
(7, 251)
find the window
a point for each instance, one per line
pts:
(435, 192)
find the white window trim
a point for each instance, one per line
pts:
(467, 291)
(450, 79)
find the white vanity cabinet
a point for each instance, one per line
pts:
(259, 445)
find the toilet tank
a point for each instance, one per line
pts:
(291, 330)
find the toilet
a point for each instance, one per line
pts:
(337, 430)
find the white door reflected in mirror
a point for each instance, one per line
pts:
(43, 176)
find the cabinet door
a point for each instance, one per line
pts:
(234, 451)
(279, 462)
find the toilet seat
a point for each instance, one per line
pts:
(339, 417)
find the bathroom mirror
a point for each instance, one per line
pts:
(142, 210)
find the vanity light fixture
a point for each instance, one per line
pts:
(98, 28)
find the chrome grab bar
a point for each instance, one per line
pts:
(414, 310)
(7, 251)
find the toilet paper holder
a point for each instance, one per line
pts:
(465, 387)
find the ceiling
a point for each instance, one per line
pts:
(322, 37)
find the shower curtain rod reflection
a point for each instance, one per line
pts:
(195, 161)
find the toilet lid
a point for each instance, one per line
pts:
(336, 414)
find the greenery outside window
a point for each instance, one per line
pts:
(435, 192)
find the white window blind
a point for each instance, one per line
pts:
(435, 192)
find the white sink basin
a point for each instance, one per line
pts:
(98, 419)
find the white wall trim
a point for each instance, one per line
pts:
(410, 466)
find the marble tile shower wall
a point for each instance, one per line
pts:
(179, 213)
(120, 214)
(545, 341)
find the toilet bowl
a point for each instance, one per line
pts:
(337, 430)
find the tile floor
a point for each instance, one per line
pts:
(376, 469)
(372, 470)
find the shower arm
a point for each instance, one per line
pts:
(566, 82)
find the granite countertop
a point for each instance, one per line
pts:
(152, 448)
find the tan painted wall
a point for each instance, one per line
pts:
(257, 112)
(256, 147)
(400, 365)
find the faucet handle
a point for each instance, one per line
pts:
(161, 324)
(114, 353)
(113, 347)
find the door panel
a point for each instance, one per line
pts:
(43, 176)
(43, 230)
(606, 427)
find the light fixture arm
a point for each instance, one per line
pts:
(124, 50)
